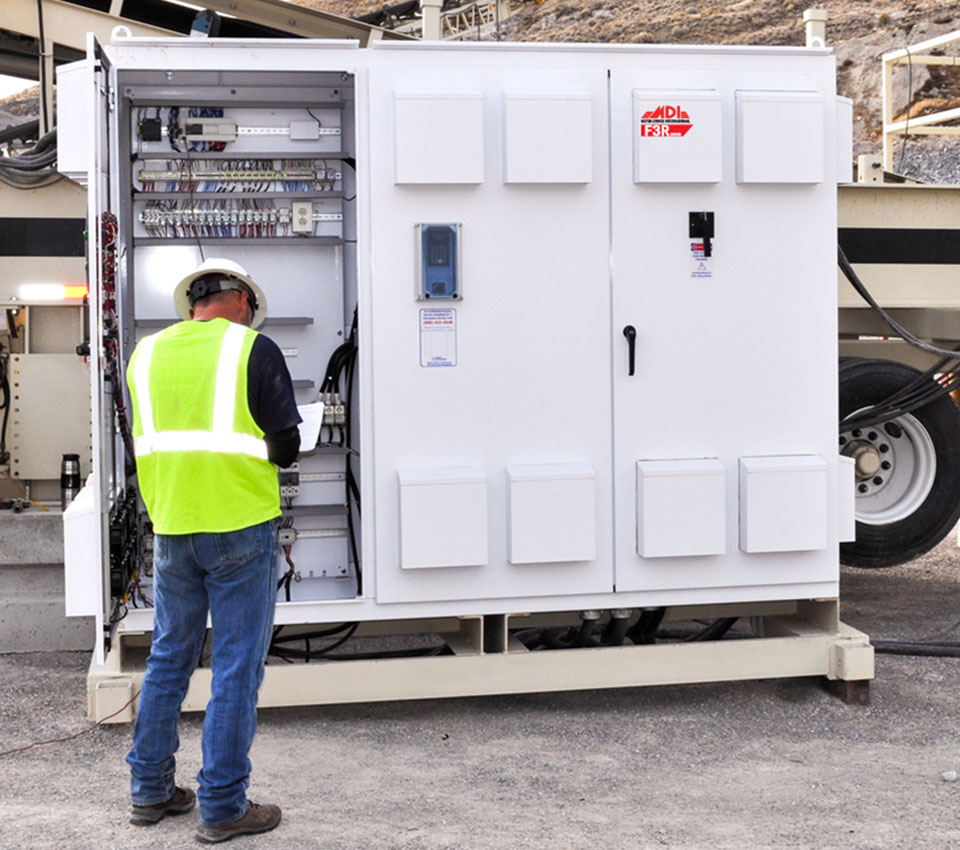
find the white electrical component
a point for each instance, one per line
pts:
(301, 217)
(290, 481)
(210, 129)
(304, 131)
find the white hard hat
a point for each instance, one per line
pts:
(236, 278)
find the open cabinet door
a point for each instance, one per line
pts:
(93, 578)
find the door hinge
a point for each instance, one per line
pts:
(112, 99)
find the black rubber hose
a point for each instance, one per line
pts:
(644, 631)
(26, 131)
(424, 652)
(322, 633)
(41, 154)
(306, 654)
(560, 637)
(615, 631)
(530, 638)
(905, 647)
(897, 328)
(716, 630)
(348, 469)
(5, 389)
(43, 64)
(585, 634)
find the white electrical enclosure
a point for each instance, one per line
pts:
(443, 518)
(548, 137)
(613, 416)
(780, 137)
(844, 140)
(553, 513)
(681, 508)
(439, 136)
(783, 503)
(678, 136)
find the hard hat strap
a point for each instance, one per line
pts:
(208, 284)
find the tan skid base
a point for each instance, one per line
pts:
(793, 639)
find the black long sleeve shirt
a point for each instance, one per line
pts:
(272, 401)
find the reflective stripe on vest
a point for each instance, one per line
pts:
(221, 438)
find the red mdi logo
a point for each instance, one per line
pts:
(665, 121)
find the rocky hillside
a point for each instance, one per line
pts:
(859, 31)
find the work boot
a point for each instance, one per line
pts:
(183, 800)
(256, 818)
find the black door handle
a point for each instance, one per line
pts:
(630, 332)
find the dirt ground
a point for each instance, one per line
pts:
(747, 765)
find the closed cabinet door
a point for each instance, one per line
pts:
(487, 316)
(724, 334)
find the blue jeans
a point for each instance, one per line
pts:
(234, 576)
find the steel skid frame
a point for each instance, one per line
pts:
(790, 639)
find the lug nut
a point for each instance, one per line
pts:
(855, 432)
(872, 435)
(862, 488)
(885, 464)
(884, 448)
(843, 440)
(878, 481)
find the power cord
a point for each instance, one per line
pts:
(75, 735)
(939, 380)
(906, 126)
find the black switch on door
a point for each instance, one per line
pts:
(701, 227)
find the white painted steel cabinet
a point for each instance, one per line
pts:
(596, 320)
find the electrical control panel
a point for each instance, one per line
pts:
(553, 441)
(438, 262)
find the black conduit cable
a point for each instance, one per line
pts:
(559, 637)
(43, 66)
(585, 634)
(23, 132)
(313, 635)
(892, 323)
(644, 631)
(929, 650)
(714, 631)
(40, 156)
(352, 497)
(615, 631)
(306, 655)
(924, 389)
(5, 389)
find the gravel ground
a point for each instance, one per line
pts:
(933, 159)
(743, 765)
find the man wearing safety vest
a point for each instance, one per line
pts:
(214, 415)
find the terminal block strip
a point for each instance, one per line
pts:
(232, 218)
(260, 175)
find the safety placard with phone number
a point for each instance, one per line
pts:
(438, 337)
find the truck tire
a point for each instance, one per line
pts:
(908, 469)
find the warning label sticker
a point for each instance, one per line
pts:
(669, 121)
(438, 337)
(701, 267)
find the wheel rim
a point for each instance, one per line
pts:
(906, 466)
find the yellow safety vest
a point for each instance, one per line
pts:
(201, 458)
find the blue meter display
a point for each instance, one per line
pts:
(439, 262)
